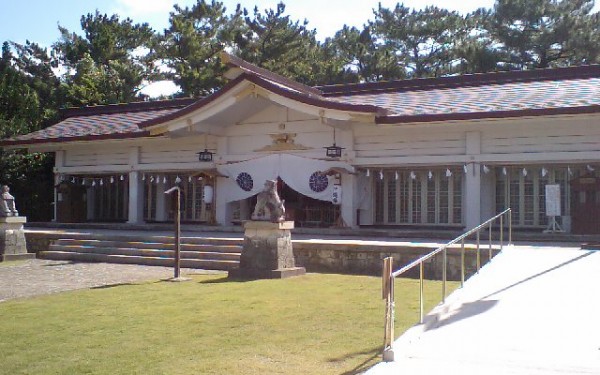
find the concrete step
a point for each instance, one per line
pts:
(141, 244)
(141, 260)
(207, 252)
(146, 238)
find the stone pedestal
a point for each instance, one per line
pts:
(267, 252)
(12, 239)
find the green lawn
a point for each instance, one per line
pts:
(315, 324)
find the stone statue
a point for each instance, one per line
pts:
(7, 203)
(268, 205)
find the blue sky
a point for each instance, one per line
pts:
(37, 20)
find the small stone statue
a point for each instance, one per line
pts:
(268, 205)
(7, 203)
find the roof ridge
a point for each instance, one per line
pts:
(476, 79)
(125, 107)
(252, 69)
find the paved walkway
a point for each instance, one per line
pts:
(533, 310)
(35, 277)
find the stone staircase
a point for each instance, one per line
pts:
(204, 253)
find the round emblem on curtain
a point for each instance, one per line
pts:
(318, 182)
(244, 180)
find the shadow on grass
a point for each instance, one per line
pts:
(362, 367)
(224, 280)
(109, 286)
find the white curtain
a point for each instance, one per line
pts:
(295, 171)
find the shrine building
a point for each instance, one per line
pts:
(439, 153)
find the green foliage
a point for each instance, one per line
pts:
(21, 111)
(274, 42)
(545, 33)
(361, 58)
(190, 46)
(110, 64)
(423, 40)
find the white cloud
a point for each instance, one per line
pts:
(142, 7)
(159, 88)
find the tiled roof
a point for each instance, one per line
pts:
(498, 97)
(490, 95)
(100, 122)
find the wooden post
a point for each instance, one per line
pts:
(177, 260)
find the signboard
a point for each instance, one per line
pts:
(553, 200)
(336, 195)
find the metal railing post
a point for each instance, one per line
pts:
(462, 262)
(444, 271)
(421, 294)
(478, 252)
(510, 226)
(490, 239)
(501, 233)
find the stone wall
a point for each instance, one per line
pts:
(368, 260)
(38, 241)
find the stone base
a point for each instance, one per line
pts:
(267, 252)
(253, 273)
(12, 257)
(12, 238)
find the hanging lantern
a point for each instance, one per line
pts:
(205, 156)
(413, 175)
(524, 172)
(208, 194)
(333, 151)
(381, 174)
(590, 168)
(177, 180)
(122, 178)
(189, 178)
(570, 171)
(396, 176)
(112, 180)
(93, 182)
(368, 172)
(504, 172)
(164, 179)
(83, 182)
(544, 172)
(101, 182)
(430, 174)
(465, 168)
(448, 172)
(486, 170)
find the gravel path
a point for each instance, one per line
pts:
(37, 276)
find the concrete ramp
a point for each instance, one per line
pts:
(532, 310)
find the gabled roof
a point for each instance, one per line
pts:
(572, 90)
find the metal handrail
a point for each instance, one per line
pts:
(389, 275)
